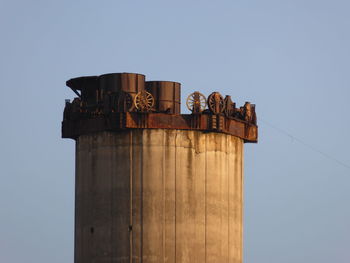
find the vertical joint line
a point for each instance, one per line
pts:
(131, 190)
(242, 193)
(112, 203)
(206, 169)
(163, 182)
(175, 187)
(228, 197)
(141, 194)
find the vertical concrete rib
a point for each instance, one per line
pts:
(190, 198)
(176, 163)
(131, 195)
(224, 198)
(120, 172)
(242, 199)
(163, 197)
(231, 211)
(228, 199)
(198, 195)
(112, 237)
(152, 196)
(213, 203)
(169, 174)
(142, 197)
(78, 240)
(137, 194)
(206, 183)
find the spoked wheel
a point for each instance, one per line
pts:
(143, 101)
(196, 102)
(216, 103)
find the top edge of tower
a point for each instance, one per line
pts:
(115, 101)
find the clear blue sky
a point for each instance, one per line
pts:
(289, 57)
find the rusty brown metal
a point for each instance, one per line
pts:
(128, 82)
(216, 103)
(133, 120)
(119, 101)
(167, 95)
(230, 107)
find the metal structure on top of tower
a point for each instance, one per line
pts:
(118, 101)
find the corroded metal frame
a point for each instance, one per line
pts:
(134, 120)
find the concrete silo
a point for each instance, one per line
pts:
(152, 184)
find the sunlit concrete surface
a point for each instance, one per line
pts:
(157, 195)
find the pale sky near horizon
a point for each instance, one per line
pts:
(289, 57)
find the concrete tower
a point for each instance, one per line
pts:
(152, 184)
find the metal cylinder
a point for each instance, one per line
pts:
(167, 95)
(88, 87)
(127, 82)
(158, 195)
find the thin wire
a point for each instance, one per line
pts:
(293, 138)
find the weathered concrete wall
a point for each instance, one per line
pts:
(159, 196)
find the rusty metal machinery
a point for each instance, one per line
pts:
(196, 102)
(143, 101)
(230, 107)
(118, 101)
(216, 103)
(125, 101)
